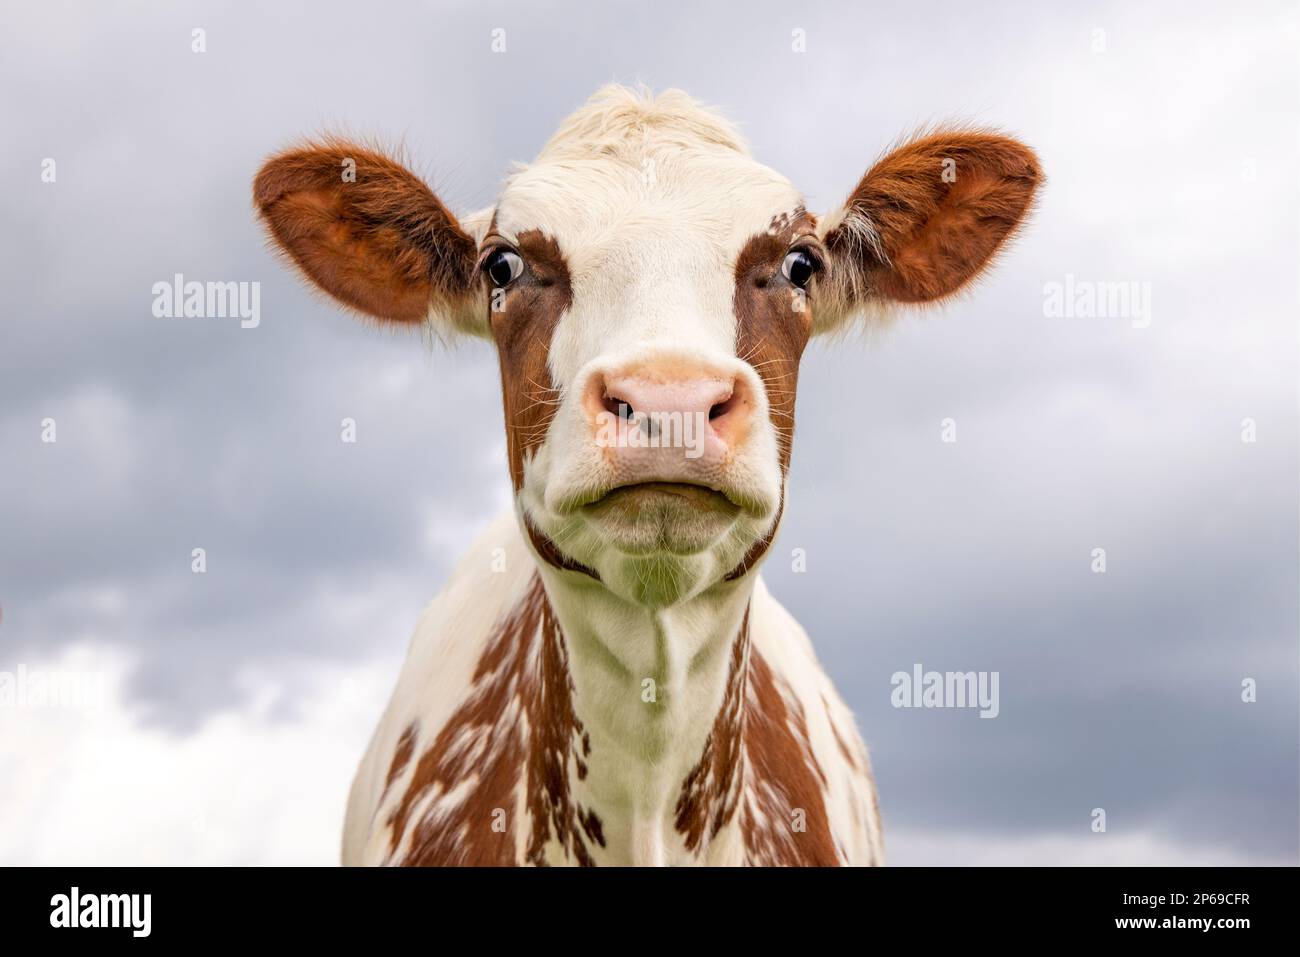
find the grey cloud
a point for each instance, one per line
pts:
(1119, 690)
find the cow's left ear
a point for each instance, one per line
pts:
(925, 220)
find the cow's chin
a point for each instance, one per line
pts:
(659, 543)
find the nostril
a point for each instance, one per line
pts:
(617, 406)
(723, 407)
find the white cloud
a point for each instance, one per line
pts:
(264, 782)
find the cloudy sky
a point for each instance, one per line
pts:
(230, 708)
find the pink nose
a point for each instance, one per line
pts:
(669, 424)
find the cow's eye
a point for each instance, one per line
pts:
(503, 267)
(799, 267)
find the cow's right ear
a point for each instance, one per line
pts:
(369, 232)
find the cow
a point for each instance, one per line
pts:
(605, 679)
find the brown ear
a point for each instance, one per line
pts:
(366, 230)
(929, 216)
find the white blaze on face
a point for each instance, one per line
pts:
(650, 217)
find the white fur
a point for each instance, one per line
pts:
(650, 202)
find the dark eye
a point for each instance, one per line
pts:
(503, 267)
(799, 267)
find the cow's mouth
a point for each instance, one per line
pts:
(677, 517)
(696, 493)
(701, 496)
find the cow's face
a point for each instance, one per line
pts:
(650, 289)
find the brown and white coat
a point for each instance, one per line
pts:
(605, 679)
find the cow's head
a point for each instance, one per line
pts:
(650, 289)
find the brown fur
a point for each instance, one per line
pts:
(523, 330)
(525, 662)
(773, 324)
(383, 245)
(780, 755)
(933, 236)
(401, 756)
(711, 792)
(758, 759)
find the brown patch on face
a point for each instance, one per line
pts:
(774, 319)
(940, 208)
(523, 330)
(482, 754)
(773, 323)
(382, 244)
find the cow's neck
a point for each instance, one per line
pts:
(657, 696)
